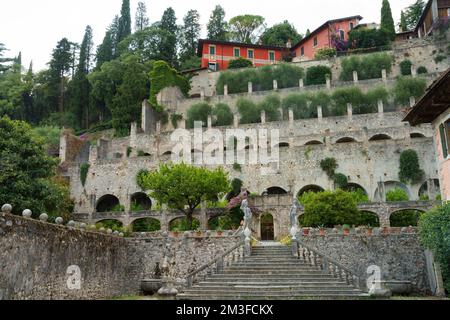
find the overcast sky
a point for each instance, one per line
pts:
(35, 26)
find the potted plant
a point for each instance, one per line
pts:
(346, 229)
(305, 231)
(322, 230)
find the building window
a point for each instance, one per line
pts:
(237, 52)
(315, 42)
(302, 51)
(212, 50)
(272, 55)
(445, 137)
(351, 25)
(250, 53)
(342, 34)
(213, 66)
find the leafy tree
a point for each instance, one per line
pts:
(27, 175)
(3, 67)
(105, 51)
(329, 209)
(368, 38)
(413, 13)
(368, 67)
(396, 195)
(142, 20)
(403, 25)
(193, 62)
(246, 28)
(249, 111)
(146, 225)
(317, 75)
(405, 218)
(184, 187)
(353, 95)
(299, 105)
(307, 33)
(405, 67)
(410, 171)
(279, 35)
(198, 112)
(406, 87)
(124, 29)
(387, 22)
(434, 231)
(223, 115)
(169, 45)
(240, 63)
(191, 34)
(271, 106)
(217, 26)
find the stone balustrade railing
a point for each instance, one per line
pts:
(235, 254)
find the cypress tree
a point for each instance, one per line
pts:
(403, 25)
(105, 50)
(124, 29)
(387, 22)
(142, 20)
(191, 33)
(169, 44)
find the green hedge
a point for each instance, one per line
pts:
(222, 115)
(405, 67)
(368, 67)
(240, 63)
(317, 75)
(287, 76)
(406, 87)
(251, 112)
(198, 112)
(368, 38)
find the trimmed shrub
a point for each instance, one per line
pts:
(249, 111)
(240, 63)
(198, 112)
(368, 67)
(325, 53)
(434, 231)
(271, 105)
(410, 171)
(406, 87)
(317, 75)
(405, 67)
(422, 70)
(223, 115)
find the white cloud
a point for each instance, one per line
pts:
(35, 26)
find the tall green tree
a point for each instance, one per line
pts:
(191, 34)
(184, 188)
(141, 21)
(413, 14)
(217, 26)
(105, 50)
(80, 88)
(387, 22)
(59, 67)
(3, 61)
(280, 34)
(169, 45)
(246, 28)
(124, 29)
(26, 178)
(403, 26)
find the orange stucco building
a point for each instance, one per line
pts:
(434, 108)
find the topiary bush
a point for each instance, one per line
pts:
(405, 67)
(317, 75)
(422, 70)
(240, 63)
(406, 87)
(325, 53)
(198, 112)
(222, 115)
(368, 67)
(410, 171)
(249, 111)
(434, 231)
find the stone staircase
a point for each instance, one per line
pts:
(271, 273)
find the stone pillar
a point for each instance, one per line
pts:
(236, 121)
(413, 71)
(355, 76)
(275, 85)
(203, 217)
(250, 88)
(380, 108)
(319, 113)
(209, 122)
(328, 82)
(412, 101)
(133, 134)
(158, 127)
(263, 117)
(225, 90)
(301, 83)
(291, 118)
(349, 111)
(202, 93)
(384, 75)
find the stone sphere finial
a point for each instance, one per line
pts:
(121, 234)
(71, 224)
(6, 208)
(43, 217)
(109, 231)
(27, 213)
(102, 230)
(59, 221)
(83, 226)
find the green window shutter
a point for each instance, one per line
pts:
(443, 142)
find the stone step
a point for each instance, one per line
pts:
(273, 297)
(269, 271)
(305, 284)
(272, 288)
(273, 278)
(290, 276)
(261, 292)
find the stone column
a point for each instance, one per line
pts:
(225, 90)
(291, 118)
(380, 109)
(349, 111)
(355, 76)
(133, 134)
(203, 217)
(412, 101)
(301, 83)
(236, 120)
(328, 82)
(202, 93)
(384, 75)
(275, 85)
(413, 71)
(319, 113)
(209, 122)
(158, 127)
(263, 117)
(250, 88)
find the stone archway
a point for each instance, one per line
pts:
(267, 227)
